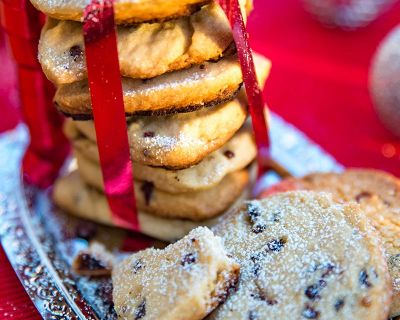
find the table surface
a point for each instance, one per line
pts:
(319, 82)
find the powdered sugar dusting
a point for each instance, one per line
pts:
(170, 282)
(309, 257)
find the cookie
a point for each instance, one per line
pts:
(125, 11)
(75, 197)
(145, 51)
(204, 85)
(378, 194)
(235, 155)
(184, 281)
(304, 256)
(95, 261)
(177, 141)
(195, 205)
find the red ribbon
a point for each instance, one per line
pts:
(254, 94)
(109, 112)
(48, 146)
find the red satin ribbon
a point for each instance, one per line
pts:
(48, 147)
(254, 94)
(108, 111)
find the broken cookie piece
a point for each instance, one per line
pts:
(95, 261)
(186, 280)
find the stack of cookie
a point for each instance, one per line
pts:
(186, 111)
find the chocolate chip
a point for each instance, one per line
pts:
(253, 211)
(253, 315)
(363, 278)
(148, 134)
(258, 228)
(276, 245)
(362, 195)
(310, 313)
(137, 266)
(147, 189)
(75, 52)
(339, 304)
(140, 310)
(312, 292)
(202, 66)
(329, 268)
(254, 215)
(188, 259)
(256, 258)
(229, 154)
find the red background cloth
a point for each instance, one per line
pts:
(319, 82)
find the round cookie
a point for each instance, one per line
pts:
(304, 256)
(235, 155)
(378, 194)
(180, 91)
(195, 206)
(176, 141)
(184, 281)
(75, 197)
(125, 11)
(145, 51)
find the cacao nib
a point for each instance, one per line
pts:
(140, 310)
(339, 304)
(310, 313)
(188, 259)
(363, 278)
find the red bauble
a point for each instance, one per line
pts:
(385, 81)
(348, 14)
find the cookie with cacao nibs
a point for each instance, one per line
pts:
(72, 195)
(319, 260)
(184, 281)
(378, 194)
(195, 205)
(144, 51)
(206, 174)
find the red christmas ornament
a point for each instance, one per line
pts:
(385, 81)
(348, 14)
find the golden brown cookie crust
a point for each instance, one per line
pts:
(182, 90)
(126, 11)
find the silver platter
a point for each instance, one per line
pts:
(40, 241)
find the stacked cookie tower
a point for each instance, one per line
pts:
(185, 109)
